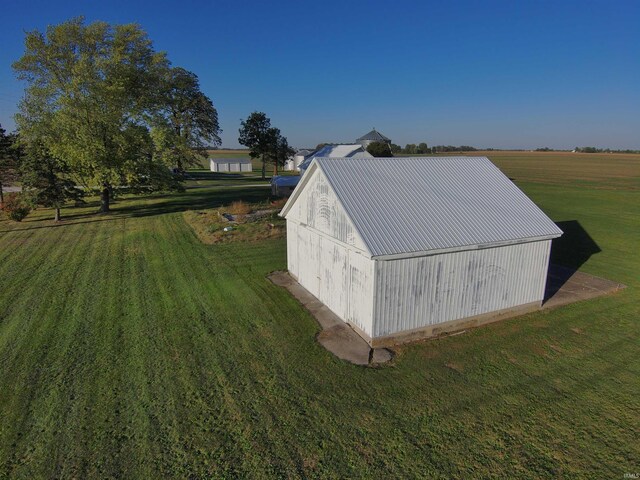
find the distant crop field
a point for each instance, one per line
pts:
(129, 348)
(587, 169)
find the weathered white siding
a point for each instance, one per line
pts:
(324, 253)
(318, 207)
(338, 276)
(417, 292)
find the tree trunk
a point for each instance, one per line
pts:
(264, 168)
(1, 195)
(275, 168)
(104, 199)
(57, 217)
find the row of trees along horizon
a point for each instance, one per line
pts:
(103, 112)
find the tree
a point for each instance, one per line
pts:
(379, 149)
(422, 148)
(186, 122)
(46, 180)
(395, 148)
(90, 98)
(8, 160)
(254, 134)
(278, 149)
(411, 148)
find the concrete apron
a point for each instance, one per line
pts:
(564, 286)
(336, 336)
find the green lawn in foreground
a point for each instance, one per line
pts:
(130, 350)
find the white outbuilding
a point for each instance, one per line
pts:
(238, 164)
(347, 150)
(293, 163)
(405, 248)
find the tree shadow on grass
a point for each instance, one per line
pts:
(194, 199)
(568, 253)
(155, 204)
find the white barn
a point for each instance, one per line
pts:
(440, 244)
(230, 164)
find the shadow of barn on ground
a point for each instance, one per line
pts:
(568, 253)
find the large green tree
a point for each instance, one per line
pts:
(278, 149)
(186, 122)
(92, 92)
(254, 134)
(264, 141)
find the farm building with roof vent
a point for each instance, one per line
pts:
(442, 244)
(372, 136)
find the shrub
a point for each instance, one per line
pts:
(15, 206)
(239, 208)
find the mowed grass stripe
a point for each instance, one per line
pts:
(42, 328)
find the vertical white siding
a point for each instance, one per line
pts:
(292, 248)
(360, 278)
(318, 207)
(417, 292)
(339, 277)
(308, 254)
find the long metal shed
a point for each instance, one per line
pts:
(230, 165)
(404, 248)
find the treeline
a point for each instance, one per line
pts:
(602, 150)
(423, 148)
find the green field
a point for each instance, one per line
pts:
(128, 349)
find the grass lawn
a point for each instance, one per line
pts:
(129, 349)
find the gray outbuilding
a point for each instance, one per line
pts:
(373, 136)
(405, 248)
(230, 165)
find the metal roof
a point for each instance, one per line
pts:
(230, 160)
(374, 136)
(337, 151)
(401, 206)
(285, 180)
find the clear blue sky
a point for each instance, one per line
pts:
(484, 73)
